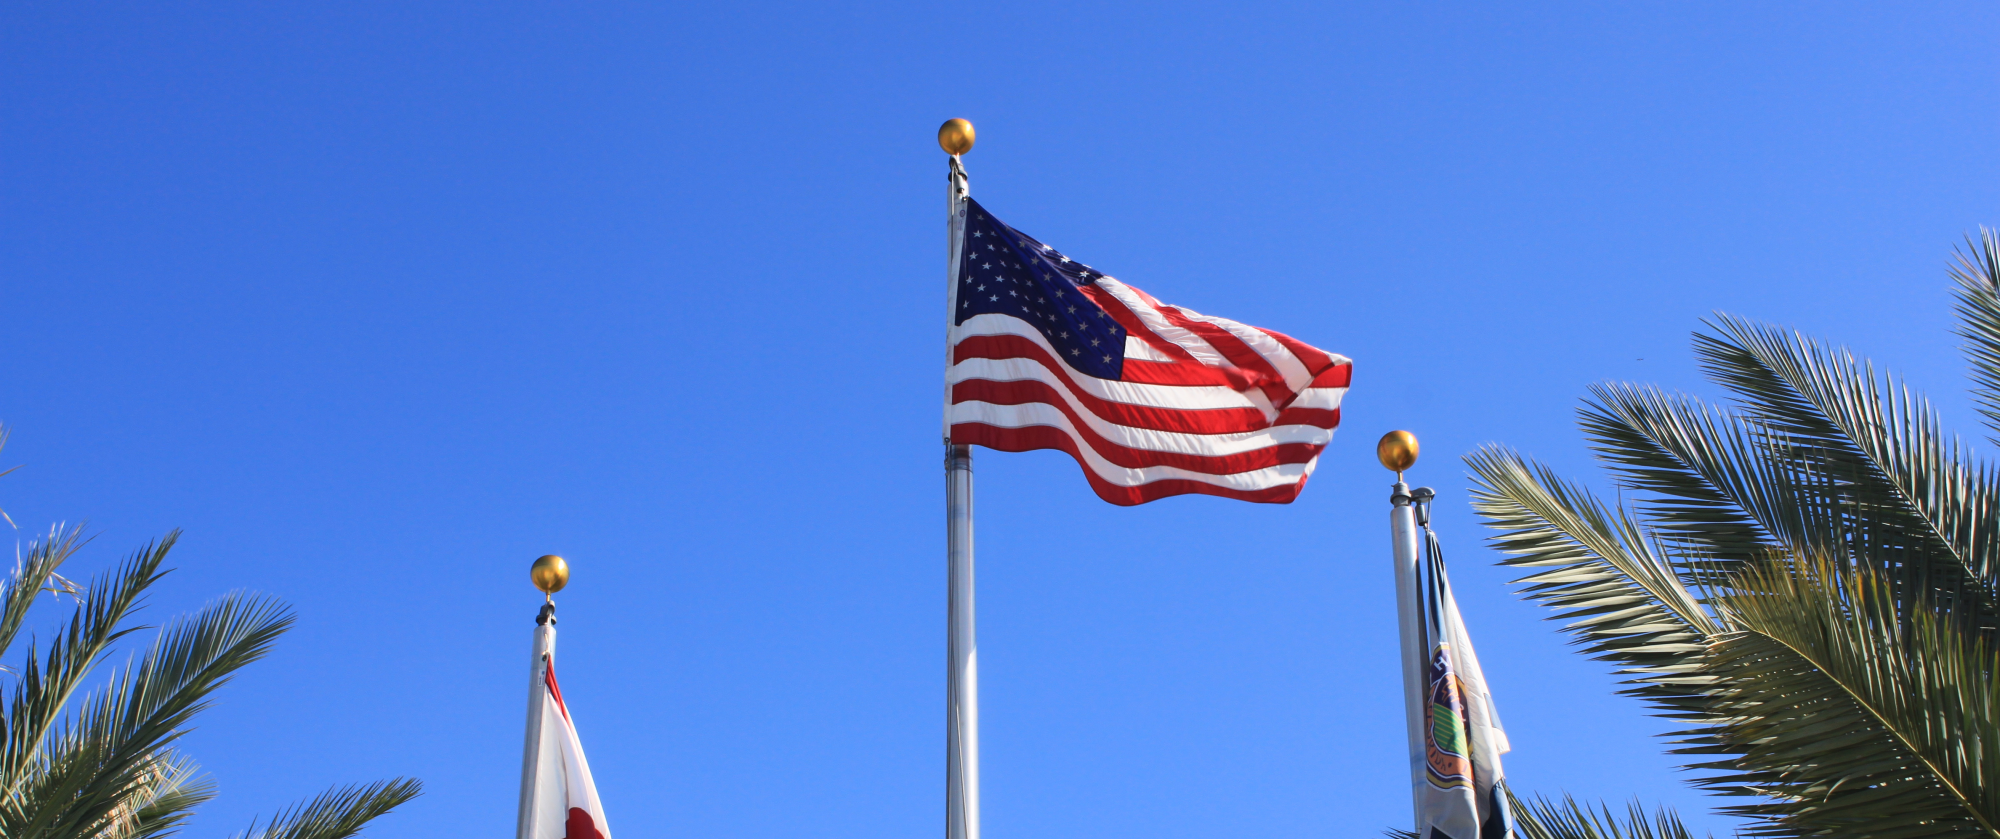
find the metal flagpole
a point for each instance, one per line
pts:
(962, 691)
(1398, 451)
(550, 574)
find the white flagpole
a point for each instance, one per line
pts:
(1398, 451)
(550, 574)
(962, 691)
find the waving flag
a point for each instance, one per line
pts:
(563, 798)
(1152, 400)
(1463, 795)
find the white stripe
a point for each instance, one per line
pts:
(1027, 416)
(1278, 355)
(1323, 398)
(1177, 397)
(1137, 349)
(1171, 397)
(1145, 439)
(1158, 325)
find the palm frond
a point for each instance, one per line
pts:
(338, 813)
(1545, 818)
(1622, 597)
(1855, 721)
(1700, 477)
(1978, 276)
(1793, 710)
(169, 789)
(36, 704)
(1914, 504)
(31, 574)
(145, 708)
(168, 801)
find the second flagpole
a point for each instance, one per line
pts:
(1398, 451)
(962, 656)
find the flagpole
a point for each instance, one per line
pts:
(550, 574)
(1398, 451)
(962, 678)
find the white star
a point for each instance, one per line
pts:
(987, 266)
(1012, 294)
(989, 247)
(994, 297)
(1076, 352)
(1072, 310)
(976, 234)
(966, 305)
(982, 287)
(1065, 335)
(1093, 342)
(1107, 359)
(1042, 300)
(1065, 260)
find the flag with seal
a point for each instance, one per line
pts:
(1464, 794)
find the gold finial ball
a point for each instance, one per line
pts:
(1397, 451)
(550, 574)
(955, 136)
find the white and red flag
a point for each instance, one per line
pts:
(1152, 400)
(561, 800)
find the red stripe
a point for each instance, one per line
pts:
(1188, 373)
(549, 678)
(1336, 376)
(1187, 420)
(1314, 358)
(1028, 393)
(1320, 417)
(1240, 354)
(1045, 437)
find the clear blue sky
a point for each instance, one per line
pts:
(380, 301)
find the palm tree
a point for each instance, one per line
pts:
(1806, 577)
(99, 762)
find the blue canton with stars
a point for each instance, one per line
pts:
(1005, 272)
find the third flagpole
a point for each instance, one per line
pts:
(962, 679)
(550, 574)
(1398, 451)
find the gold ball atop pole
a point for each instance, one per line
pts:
(955, 136)
(550, 574)
(1397, 451)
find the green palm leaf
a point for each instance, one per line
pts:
(338, 813)
(144, 708)
(1810, 582)
(1978, 276)
(1544, 818)
(1912, 505)
(1858, 721)
(103, 766)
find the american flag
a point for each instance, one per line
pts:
(1152, 400)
